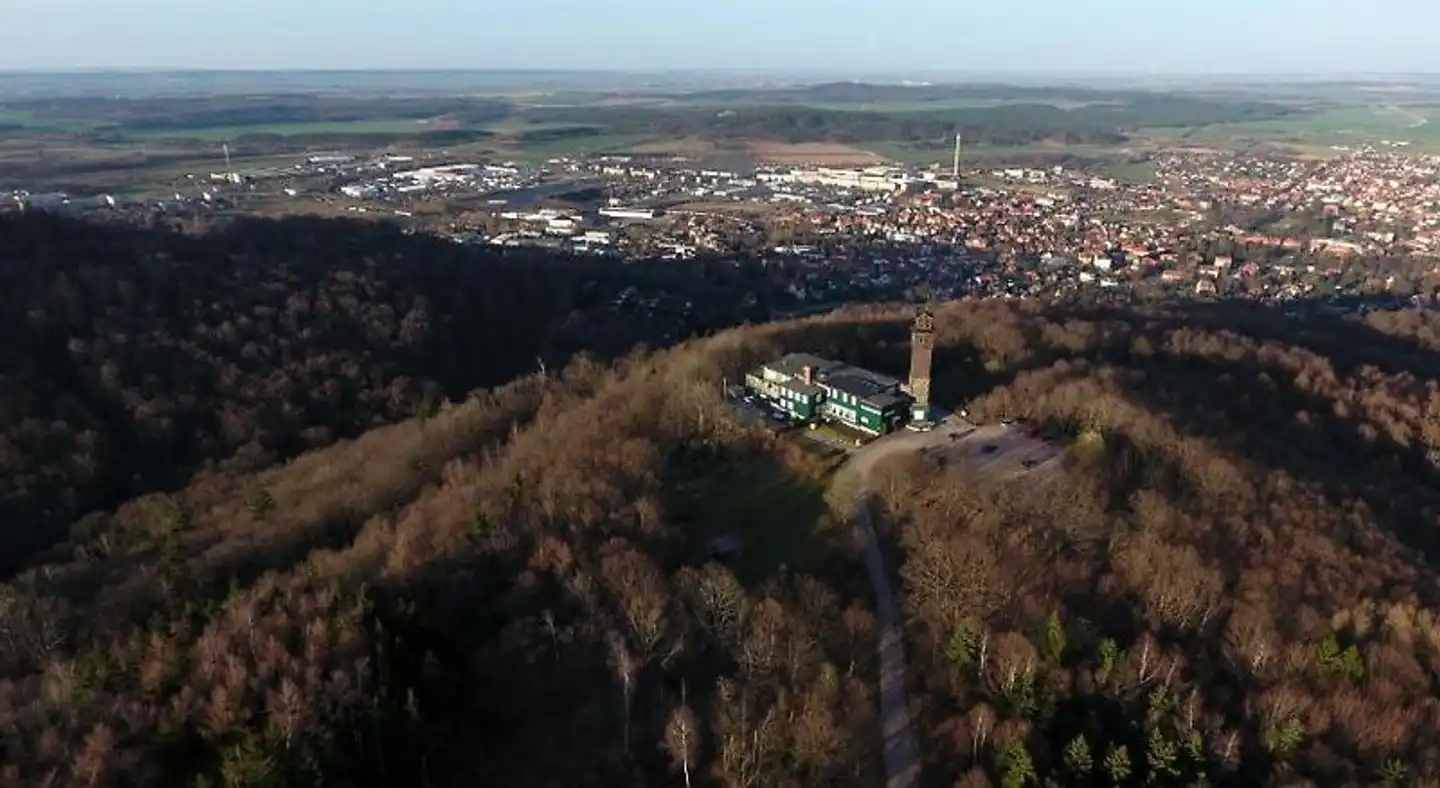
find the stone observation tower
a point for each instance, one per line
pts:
(922, 349)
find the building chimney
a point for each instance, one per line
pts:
(807, 374)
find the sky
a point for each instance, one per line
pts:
(1121, 37)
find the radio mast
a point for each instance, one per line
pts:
(230, 174)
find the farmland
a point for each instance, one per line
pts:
(580, 145)
(340, 128)
(1346, 126)
(813, 154)
(79, 142)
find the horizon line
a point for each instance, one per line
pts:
(833, 70)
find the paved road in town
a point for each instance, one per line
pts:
(902, 751)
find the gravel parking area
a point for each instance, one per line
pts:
(1006, 449)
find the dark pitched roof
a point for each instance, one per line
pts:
(871, 387)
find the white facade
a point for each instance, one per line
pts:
(877, 179)
(630, 213)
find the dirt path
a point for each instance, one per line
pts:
(902, 750)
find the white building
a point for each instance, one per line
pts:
(630, 213)
(866, 179)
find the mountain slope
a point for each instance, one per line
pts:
(513, 577)
(137, 356)
(1230, 573)
(1232, 579)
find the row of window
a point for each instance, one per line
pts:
(838, 404)
(792, 394)
(840, 412)
(849, 399)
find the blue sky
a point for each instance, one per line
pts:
(1043, 36)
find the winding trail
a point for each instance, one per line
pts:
(902, 750)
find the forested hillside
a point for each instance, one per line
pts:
(514, 589)
(1233, 580)
(1228, 581)
(135, 356)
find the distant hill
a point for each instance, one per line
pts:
(874, 93)
(900, 113)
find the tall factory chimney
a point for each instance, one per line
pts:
(922, 349)
(955, 170)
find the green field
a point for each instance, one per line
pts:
(205, 165)
(1129, 171)
(1345, 126)
(29, 120)
(521, 126)
(573, 146)
(970, 154)
(290, 130)
(16, 117)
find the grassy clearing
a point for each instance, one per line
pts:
(837, 437)
(1129, 171)
(903, 153)
(775, 512)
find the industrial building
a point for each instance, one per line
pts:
(616, 212)
(875, 179)
(812, 389)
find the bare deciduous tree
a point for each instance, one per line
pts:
(626, 668)
(981, 721)
(682, 736)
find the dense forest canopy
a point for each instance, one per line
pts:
(472, 593)
(136, 356)
(310, 514)
(1233, 582)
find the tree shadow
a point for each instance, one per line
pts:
(260, 334)
(1346, 458)
(776, 516)
(1342, 338)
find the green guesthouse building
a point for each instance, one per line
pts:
(812, 389)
